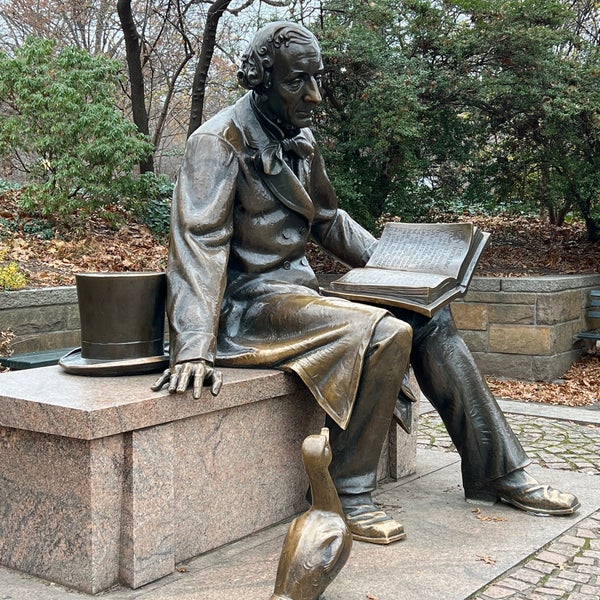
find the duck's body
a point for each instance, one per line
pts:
(318, 542)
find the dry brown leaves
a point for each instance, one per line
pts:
(486, 518)
(579, 386)
(55, 262)
(519, 246)
(531, 246)
(98, 248)
(6, 339)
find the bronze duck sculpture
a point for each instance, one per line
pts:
(318, 542)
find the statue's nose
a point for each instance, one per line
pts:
(312, 92)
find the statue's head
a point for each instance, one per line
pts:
(283, 66)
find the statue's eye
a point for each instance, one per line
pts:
(296, 83)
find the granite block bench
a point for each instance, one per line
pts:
(103, 481)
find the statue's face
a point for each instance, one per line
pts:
(294, 93)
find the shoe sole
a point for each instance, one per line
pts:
(540, 511)
(380, 541)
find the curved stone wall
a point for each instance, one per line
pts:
(518, 327)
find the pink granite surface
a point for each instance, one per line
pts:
(84, 407)
(147, 537)
(60, 499)
(239, 470)
(104, 481)
(123, 507)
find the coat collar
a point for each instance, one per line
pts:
(264, 138)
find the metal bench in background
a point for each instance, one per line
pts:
(31, 360)
(593, 312)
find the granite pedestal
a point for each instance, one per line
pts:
(103, 481)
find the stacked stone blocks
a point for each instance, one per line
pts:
(521, 327)
(525, 328)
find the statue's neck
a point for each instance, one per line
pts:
(273, 125)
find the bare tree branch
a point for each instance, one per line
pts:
(215, 12)
(133, 50)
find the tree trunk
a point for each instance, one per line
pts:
(585, 208)
(593, 229)
(215, 12)
(133, 51)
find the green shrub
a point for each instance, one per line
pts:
(60, 118)
(153, 207)
(6, 186)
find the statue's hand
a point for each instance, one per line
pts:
(197, 372)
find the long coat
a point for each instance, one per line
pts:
(241, 291)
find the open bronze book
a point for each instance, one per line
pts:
(419, 266)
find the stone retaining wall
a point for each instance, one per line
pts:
(525, 327)
(520, 327)
(41, 319)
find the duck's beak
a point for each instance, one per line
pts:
(325, 432)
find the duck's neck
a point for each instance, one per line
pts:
(324, 494)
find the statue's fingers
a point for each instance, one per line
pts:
(198, 382)
(157, 385)
(217, 382)
(173, 381)
(183, 377)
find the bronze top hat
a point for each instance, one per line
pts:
(122, 324)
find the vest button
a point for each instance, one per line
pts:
(287, 265)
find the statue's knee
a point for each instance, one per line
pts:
(390, 328)
(444, 321)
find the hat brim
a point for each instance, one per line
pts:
(73, 362)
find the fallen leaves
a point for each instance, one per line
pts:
(519, 246)
(488, 560)
(531, 246)
(579, 386)
(6, 339)
(479, 515)
(54, 262)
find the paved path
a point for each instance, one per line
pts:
(568, 567)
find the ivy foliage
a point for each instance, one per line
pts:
(60, 123)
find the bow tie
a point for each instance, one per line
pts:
(272, 156)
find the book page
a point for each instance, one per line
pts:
(428, 247)
(378, 278)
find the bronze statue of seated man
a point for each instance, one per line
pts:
(251, 192)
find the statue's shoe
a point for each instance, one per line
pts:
(367, 522)
(523, 491)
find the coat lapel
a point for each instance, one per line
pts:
(282, 182)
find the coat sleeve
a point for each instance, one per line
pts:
(201, 230)
(333, 228)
